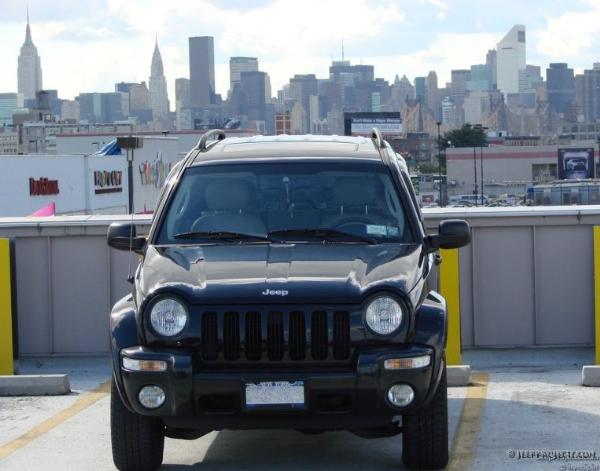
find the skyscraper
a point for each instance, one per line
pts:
(301, 88)
(421, 90)
(591, 93)
(560, 86)
(159, 99)
(252, 84)
(511, 60)
(182, 93)
(237, 65)
(432, 94)
(202, 70)
(29, 71)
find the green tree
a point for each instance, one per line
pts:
(467, 136)
(428, 168)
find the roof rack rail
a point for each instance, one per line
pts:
(377, 137)
(203, 142)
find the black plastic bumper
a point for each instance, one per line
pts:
(215, 400)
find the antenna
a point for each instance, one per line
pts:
(28, 13)
(342, 49)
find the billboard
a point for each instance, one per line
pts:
(361, 124)
(575, 163)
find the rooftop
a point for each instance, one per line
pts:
(305, 146)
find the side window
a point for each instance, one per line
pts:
(413, 198)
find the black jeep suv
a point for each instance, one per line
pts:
(283, 284)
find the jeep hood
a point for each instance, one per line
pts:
(286, 273)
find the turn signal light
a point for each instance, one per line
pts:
(407, 363)
(144, 365)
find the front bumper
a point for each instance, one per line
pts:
(334, 399)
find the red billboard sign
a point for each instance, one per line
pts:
(42, 186)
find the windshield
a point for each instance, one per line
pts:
(261, 202)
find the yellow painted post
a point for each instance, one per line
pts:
(449, 285)
(6, 333)
(597, 291)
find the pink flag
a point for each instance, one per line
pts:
(48, 210)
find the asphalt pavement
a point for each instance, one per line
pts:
(524, 408)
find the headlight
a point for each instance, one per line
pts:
(168, 317)
(383, 315)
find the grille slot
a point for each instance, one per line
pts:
(210, 339)
(341, 335)
(297, 335)
(318, 335)
(231, 336)
(275, 336)
(253, 336)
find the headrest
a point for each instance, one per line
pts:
(228, 194)
(354, 191)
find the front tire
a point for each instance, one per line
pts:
(425, 432)
(137, 441)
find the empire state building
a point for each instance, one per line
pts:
(29, 71)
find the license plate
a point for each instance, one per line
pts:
(275, 395)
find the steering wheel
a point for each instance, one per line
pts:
(352, 221)
(303, 205)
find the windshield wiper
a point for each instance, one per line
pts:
(221, 235)
(322, 233)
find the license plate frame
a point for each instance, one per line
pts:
(275, 395)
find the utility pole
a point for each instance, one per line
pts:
(130, 143)
(475, 188)
(439, 145)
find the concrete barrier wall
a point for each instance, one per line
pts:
(526, 279)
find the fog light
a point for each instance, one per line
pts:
(144, 365)
(400, 395)
(151, 397)
(405, 363)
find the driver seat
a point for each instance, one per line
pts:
(229, 208)
(355, 197)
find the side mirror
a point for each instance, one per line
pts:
(122, 236)
(452, 234)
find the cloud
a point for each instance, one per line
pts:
(569, 34)
(447, 52)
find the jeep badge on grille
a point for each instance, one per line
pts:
(275, 292)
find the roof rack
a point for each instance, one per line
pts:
(377, 137)
(203, 142)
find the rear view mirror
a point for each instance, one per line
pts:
(123, 236)
(452, 234)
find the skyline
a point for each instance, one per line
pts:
(106, 43)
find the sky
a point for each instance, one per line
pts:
(89, 45)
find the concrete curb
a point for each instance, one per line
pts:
(458, 375)
(34, 385)
(590, 375)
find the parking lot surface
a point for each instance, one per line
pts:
(524, 408)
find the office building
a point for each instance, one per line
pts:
(101, 107)
(560, 87)
(159, 99)
(301, 88)
(9, 102)
(182, 93)
(420, 90)
(511, 60)
(591, 93)
(252, 86)
(237, 65)
(202, 70)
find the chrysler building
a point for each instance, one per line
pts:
(29, 71)
(158, 87)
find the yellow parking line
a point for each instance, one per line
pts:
(82, 403)
(464, 445)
